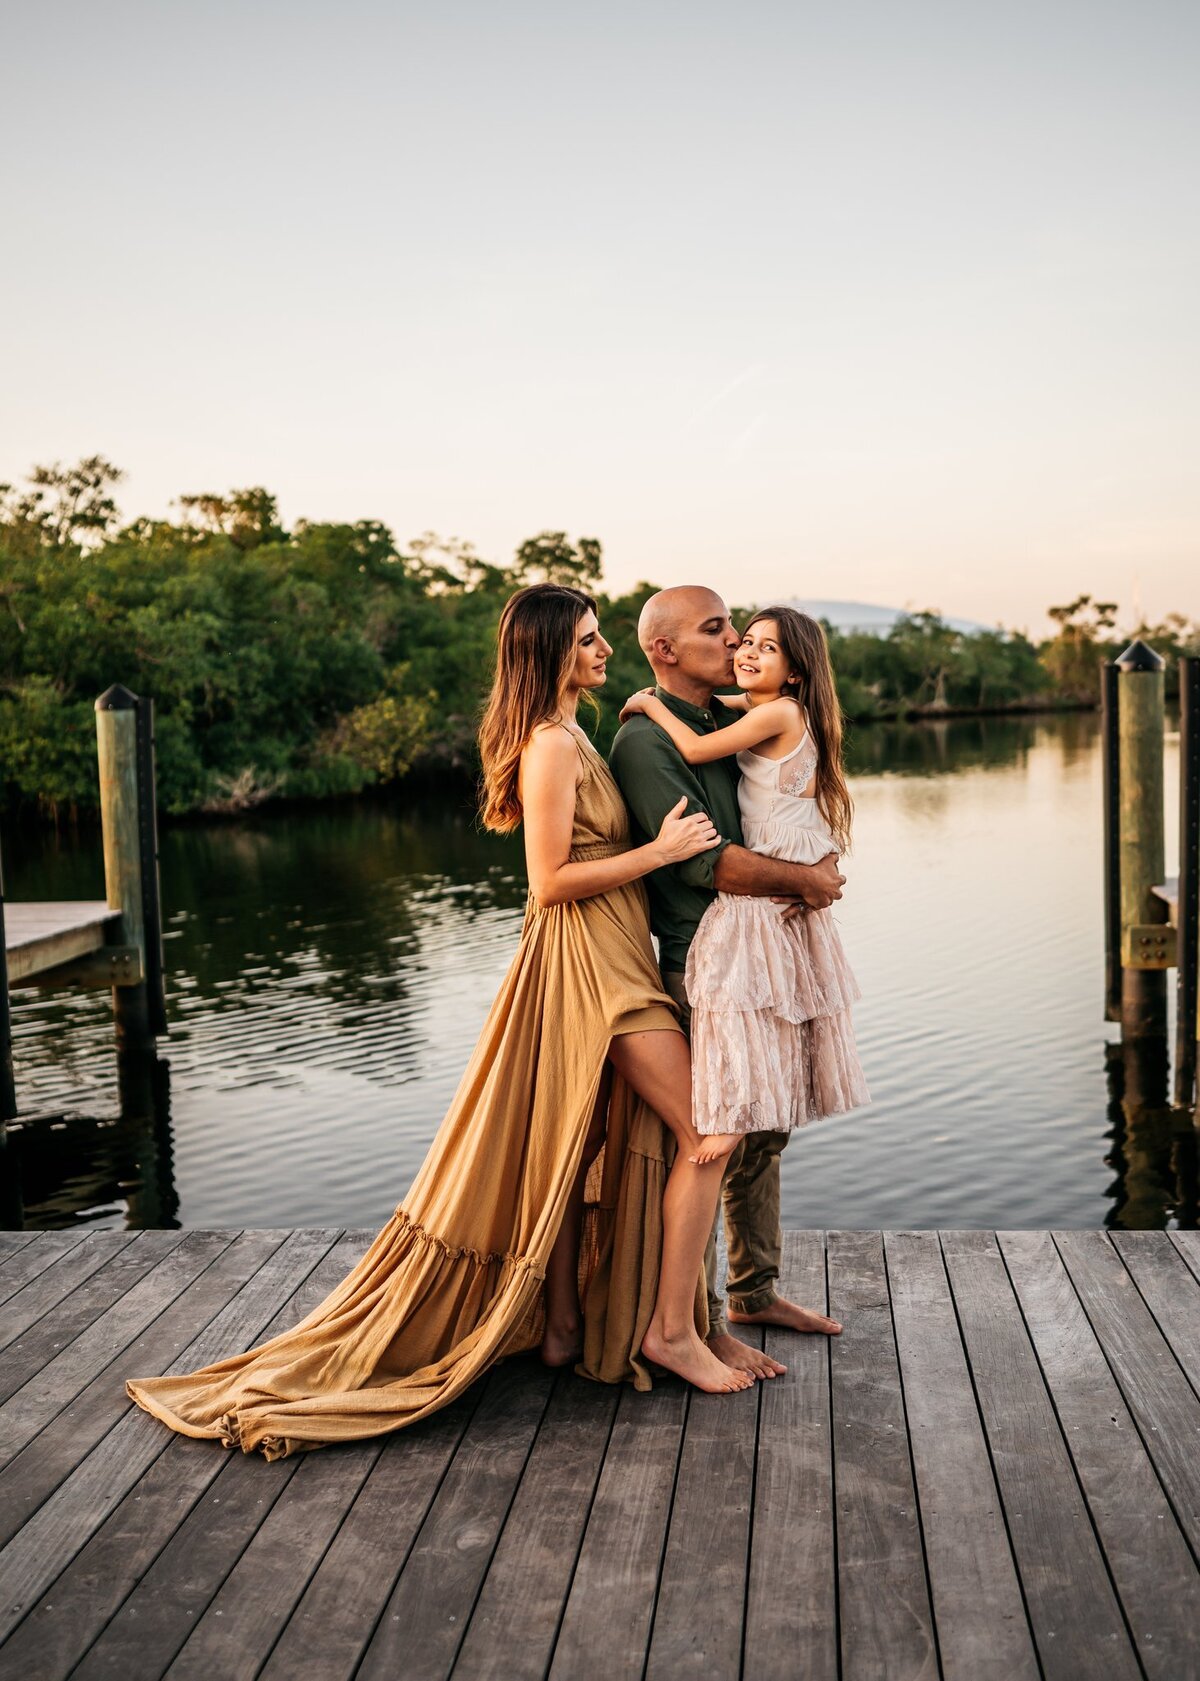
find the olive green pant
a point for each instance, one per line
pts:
(750, 1203)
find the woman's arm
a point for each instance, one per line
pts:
(548, 787)
(760, 724)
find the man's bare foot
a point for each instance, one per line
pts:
(714, 1147)
(732, 1351)
(790, 1315)
(562, 1345)
(689, 1359)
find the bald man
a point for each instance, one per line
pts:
(687, 636)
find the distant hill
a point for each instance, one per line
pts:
(847, 616)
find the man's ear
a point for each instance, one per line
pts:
(662, 652)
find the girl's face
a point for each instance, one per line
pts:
(760, 665)
(591, 654)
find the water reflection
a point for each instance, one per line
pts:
(328, 973)
(942, 745)
(74, 1170)
(1154, 1153)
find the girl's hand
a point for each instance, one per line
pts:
(683, 837)
(634, 705)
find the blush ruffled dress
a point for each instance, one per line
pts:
(772, 1037)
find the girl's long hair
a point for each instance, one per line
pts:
(535, 655)
(802, 641)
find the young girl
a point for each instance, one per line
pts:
(772, 1040)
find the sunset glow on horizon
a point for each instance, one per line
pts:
(886, 305)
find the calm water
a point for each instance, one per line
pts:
(329, 972)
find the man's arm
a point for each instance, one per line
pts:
(652, 777)
(738, 870)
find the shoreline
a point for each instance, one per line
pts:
(448, 776)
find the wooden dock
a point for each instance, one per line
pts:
(43, 935)
(994, 1472)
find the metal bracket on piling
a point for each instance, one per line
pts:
(1149, 946)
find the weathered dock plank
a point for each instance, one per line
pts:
(10, 1242)
(66, 1434)
(52, 1536)
(526, 1587)
(883, 1592)
(1076, 1620)
(105, 1286)
(235, 1565)
(701, 1591)
(344, 1599)
(1164, 1406)
(59, 1283)
(621, 1556)
(991, 1473)
(982, 1627)
(1151, 1565)
(40, 935)
(792, 1533)
(33, 1261)
(424, 1621)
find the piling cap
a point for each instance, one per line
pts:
(119, 699)
(1137, 657)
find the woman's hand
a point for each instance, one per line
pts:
(634, 704)
(683, 837)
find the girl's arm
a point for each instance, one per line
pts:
(548, 786)
(732, 703)
(759, 725)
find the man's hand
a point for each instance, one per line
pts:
(824, 885)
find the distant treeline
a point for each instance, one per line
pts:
(323, 660)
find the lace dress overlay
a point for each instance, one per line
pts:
(772, 1037)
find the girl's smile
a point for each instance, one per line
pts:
(760, 663)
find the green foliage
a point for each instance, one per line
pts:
(323, 660)
(923, 665)
(1072, 658)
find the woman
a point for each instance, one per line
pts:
(492, 1250)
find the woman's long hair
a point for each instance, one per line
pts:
(802, 641)
(535, 655)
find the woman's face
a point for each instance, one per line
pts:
(760, 664)
(591, 654)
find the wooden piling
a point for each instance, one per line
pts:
(130, 860)
(1110, 762)
(1146, 943)
(1187, 1020)
(8, 1090)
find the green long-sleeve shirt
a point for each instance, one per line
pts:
(652, 775)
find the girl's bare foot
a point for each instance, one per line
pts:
(715, 1147)
(562, 1345)
(790, 1315)
(690, 1359)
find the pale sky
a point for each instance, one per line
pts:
(880, 301)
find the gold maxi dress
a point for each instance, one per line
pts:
(454, 1281)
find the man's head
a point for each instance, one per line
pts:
(687, 636)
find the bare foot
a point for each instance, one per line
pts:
(734, 1352)
(689, 1359)
(716, 1146)
(790, 1315)
(562, 1345)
